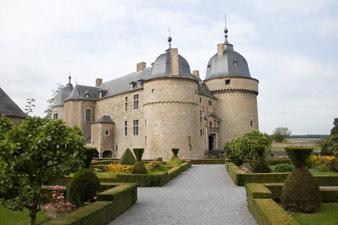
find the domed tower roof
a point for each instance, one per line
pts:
(166, 63)
(161, 67)
(227, 62)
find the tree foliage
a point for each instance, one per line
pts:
(50, 101)
(29, 105)
(329, 145)
(280, 134)
(33, 153)
(243, 149)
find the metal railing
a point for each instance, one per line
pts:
(212, 129)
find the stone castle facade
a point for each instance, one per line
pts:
(165, 106)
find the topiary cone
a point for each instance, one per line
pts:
(175, 157)
(127, 158)
(300, 192)
(139, 168)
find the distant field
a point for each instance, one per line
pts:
(303, 139)
(282, 147)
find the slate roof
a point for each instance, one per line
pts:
(8, 106)
(62, 95)
(104, 119)
(204, 90)
(82, 92)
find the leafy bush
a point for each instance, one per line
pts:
(244, 149)
(300, 191)
(259, 166)
(127, 158)
(154, 165)
(90, 153)
(324, 163)
(283, 167)
(329, 145)
(83, 187)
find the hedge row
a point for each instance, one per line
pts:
(153, 180)
(275, 161)
(207, 161)
(108, 206)
(240, 177)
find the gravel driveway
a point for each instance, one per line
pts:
(202, 195)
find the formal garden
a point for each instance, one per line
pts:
(300, 189)
(48, 177)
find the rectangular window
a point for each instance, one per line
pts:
(88, 115)
(251, 122)
(210, 103)
(135, 130)
(201, 132)
(201, 117)
(117, 148)
(107, 132)
(55, 116)
(125, 128)
(135, 101)
(227, 82)
(125, 103)
(200, 100)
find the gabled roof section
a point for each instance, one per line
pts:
(123, 84)
(8, 106)
(204, 90)
(81, 92)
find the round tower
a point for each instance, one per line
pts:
(171, 109)
(229, 79)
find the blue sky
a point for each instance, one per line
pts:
(291, 48)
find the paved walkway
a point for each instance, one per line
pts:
(203, 195)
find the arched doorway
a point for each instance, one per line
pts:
(107, 154)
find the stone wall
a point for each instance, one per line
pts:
(237, 106)
(58, 110)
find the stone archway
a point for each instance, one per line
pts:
(107, 154)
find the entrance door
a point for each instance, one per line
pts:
(211, 142)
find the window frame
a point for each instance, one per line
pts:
(86, 115)
(135, 127)
(136, 101)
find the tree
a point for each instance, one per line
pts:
(29, 105)
(33, 153)
(329, 145)
(50, 101)
(280, 134)
(243, 149)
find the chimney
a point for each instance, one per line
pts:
(196, 73)
(220, 49)
(174, 61)
(98, 81)
(140, 66)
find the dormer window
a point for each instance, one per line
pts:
(132, 84)
(235, 62)
(87, 94)
(140, 82)
(100, 93)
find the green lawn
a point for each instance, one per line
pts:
(328, 216)
(9, 217)
(323, 173)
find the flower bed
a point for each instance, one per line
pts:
(110, 203)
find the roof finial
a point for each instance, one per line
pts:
(169, 38)
(70, 76)
(225, 30)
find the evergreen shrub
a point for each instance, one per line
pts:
(90, 153)
(139, 168)
(300, 191)
(127, 158)
(175, 158)
(259, 165)
(83, 187)
(154, 165)
(283, 167)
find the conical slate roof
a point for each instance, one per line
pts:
(8, 106)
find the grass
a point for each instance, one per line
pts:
(328, 216)
(323, 173)
(9, 217)
(170, 163)
(159, 170)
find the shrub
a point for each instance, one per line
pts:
(118, 168)
(283, 167)
(300, 191)
(154, 165)
(244, 149)
(139, 168)
(83, 187)
(90, 153)
(324, 163)
(127, 158)
(329, 145)
(259, 166)
(175, 158)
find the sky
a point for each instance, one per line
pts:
(291, 48)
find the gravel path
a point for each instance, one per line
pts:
(203, 195)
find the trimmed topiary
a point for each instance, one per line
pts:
(154, 165)
(175, 158)
(139, 168)
(127, 158)
(300, 191)
(83, 187)
(90, 153)
(283, 167)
